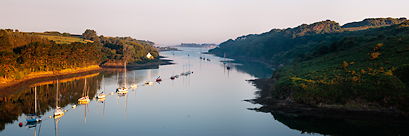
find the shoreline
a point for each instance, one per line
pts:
(161, 61)
(292, 108)
(17, 85)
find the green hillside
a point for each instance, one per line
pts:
(360, 71)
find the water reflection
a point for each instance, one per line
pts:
(36, 126)
(49, 96)
(340, 126)
(254, 68)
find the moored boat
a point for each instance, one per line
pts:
(34, 117)
(85, 97)
(58, 111)
(158, 79)
(102, 94)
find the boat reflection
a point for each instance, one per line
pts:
(56, 120)
(101, 101)
(36, 126)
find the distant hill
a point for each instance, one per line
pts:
(375, 22)
(282, 45)
(204, 45)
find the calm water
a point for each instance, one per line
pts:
(207, 102)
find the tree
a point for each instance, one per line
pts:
(89, 34)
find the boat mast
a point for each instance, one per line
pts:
(125, 72)
(103, 82)
(85, 87)
(56, 98)
(35, 99)
(87, 90)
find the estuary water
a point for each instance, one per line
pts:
(207, 102)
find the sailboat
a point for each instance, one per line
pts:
(173, 72)
(133, 85)
(224, 59)
(228, 66)
(84, 98)
(102, 95)
(123, 89)
(200, 53)
(183, 73)
(58, 112)
(33, 117)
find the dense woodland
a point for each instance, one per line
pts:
(118, 49)
(24, 53)
(327, 64)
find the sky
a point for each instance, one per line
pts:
(171, 22)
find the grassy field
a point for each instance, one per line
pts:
(64, 39)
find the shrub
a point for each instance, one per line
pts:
(377, 46)
(374, 55)
(344, 65)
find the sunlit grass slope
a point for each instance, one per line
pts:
(64, 39)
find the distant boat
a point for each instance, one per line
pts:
(133, 86)
(183, 73)
(85, 97)
(158, 79)
(148, 82)
(33, 117)
(228, 66)
(102, 95)
(173, 72)
(224, 59)
(58, 111)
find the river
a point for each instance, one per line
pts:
(207, 102)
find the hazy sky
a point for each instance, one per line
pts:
(192, 21)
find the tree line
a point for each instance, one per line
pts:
(24, 53)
